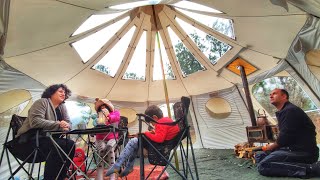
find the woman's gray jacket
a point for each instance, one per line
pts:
(42, 115)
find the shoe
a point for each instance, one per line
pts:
(126, 171)
(315, 169)
(113, 169)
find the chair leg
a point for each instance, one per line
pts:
(193, 157)
(151, 171)
(39, 169)
(21, 166)
(4, 146)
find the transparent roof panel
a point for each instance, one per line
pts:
(157, 71)
(195, 6)
(188, 63)
(96, 20)
(110, 63)
(137, 67)
(89, 45)
(212, 48)
(135, 4)
(223, 26)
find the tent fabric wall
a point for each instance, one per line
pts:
(306, 40)
(310, 6)
(222, 133)
(4, 20)
(11, 78)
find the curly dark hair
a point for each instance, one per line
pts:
(53, 88)
(154, 110)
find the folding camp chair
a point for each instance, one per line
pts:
(36, 156)
(161, 154)
(122, 129)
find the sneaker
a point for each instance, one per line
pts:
(315, 169)
(126, 171)
(113, 169)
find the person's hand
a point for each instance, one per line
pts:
(152, 132)
(264, 148)
(270, 147)
(64, 125)
(133, 135)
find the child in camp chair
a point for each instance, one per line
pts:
(160, 134)
(106, 142)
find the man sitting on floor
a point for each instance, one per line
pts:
(295, 153)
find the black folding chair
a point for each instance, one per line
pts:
(161, 154)
(122, 129)
(36, 156)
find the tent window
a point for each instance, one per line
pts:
(195, 6)
(137, 67)
(164, 109)
(218, 108)
(188, 63)
(110, 63)
(297, 95)
(130, 113)
(135, 4)
(212, 48)
(157, 72)
(96, 20)
(14, 98)
(89, 45)
(223, 26)
(312, 60)
(79, 113)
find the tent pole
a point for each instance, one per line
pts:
(164, 79)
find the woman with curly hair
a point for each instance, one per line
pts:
(48, 113)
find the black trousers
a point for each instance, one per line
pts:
(284, 162)
(55, 161)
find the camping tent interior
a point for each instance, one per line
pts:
(119, 50)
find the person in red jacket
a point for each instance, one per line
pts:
(78, 159)
(160, 134)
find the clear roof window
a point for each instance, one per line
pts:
(89, 45)
(137, 67)
(110, 63)
(157, 71)
(212, 48)
(96, 20)
(135, 4)
(188, 63)
(223, 26)
(195, 6)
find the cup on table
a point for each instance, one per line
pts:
(82, 126)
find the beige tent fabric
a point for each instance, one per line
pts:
(13, 98)
(39, 46)
(309, 6)
(4, 19)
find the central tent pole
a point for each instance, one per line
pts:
(164, 80)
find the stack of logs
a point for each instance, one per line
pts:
(246, 150)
